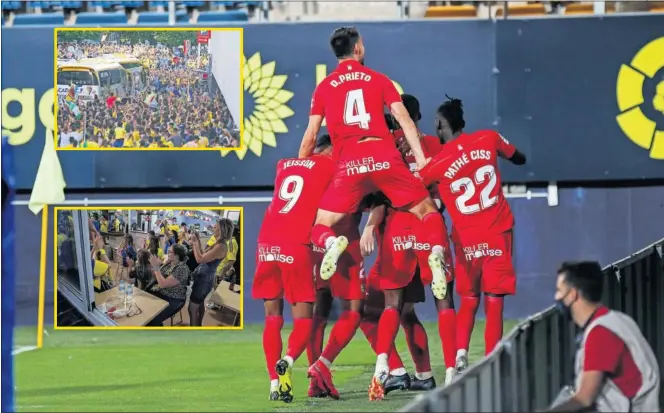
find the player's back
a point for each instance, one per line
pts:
(352, 100)
(298, 189)
(470, 184)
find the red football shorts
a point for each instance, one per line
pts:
(402, 251)
(370, 166)
(284, 271)
(346, 283)
(484, 264)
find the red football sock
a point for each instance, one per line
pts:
(434, 229)
(370, 330)
(388, 327)
(320, 233)
(466, 321)
(299, 337)
(418, 343)
(493, 309)
(315, 347)
(272, 345)
(342, 332)
(447, 331)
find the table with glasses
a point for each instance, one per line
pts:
(144, 309)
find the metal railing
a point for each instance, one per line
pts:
(535, 360)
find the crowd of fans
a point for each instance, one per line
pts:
(170, 260)
(176, 107)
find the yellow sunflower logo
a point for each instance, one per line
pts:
(270, 109)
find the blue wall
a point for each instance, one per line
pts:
(548, 85)
(601, 224)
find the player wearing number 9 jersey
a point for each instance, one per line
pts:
(469, 184)
(284, 265)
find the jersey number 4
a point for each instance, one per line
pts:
(468, 187)
(355, 113)
(290, 191)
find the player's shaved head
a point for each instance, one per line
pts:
(346, 43)
(323, 144)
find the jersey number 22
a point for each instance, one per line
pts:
(468, 187)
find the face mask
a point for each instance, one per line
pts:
(564, 309)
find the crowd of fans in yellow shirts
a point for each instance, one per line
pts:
(177, 108)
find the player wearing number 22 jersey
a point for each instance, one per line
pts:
(469, 184)
(284, 265)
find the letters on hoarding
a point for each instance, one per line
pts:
(427, 58)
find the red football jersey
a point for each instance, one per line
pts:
(352, 100)
(431, 146)
(469, 181)
(298, 189)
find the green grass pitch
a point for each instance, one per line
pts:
(192, 371)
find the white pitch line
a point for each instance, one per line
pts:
(23, 349)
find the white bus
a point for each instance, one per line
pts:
(92, 79)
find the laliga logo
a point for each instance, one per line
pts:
(270, 106)
(629, 92)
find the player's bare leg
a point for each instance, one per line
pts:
(322, 310)
(418, 346)
(297, 343)
(342, 333)
(388, 327)
(434, 232)
(323, 236)
(447, 332)
(272, 344)
(465, 325)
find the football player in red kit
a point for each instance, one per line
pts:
(346, 285)
(469, 184)
(284, 265)
(402, 249)
(351, 99)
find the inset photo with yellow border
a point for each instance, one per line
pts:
(148, 88)
(148, 268)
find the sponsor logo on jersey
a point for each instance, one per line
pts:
(481, 250)
(409, 242)
(273, 254)
(364, 166)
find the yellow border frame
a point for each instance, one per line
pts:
(126, 208)
(42, 279)
(126, 29)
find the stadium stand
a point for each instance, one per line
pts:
(156, 12)
(125, 12)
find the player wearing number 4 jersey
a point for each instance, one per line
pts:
(284, 265)
(469, 184)
(352, 100)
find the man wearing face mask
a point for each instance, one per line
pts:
(616, 370)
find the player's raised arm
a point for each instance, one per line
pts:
(309, 139)
(401, 115)
(316, 115)
(509, 152)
